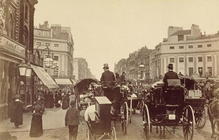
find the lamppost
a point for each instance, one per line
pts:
(25, 72)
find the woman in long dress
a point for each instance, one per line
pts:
(17, 112)
(36, 129)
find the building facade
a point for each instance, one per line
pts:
(81, 70)
(56, 48)
(136, 66)
(190, 52)
(16, 46)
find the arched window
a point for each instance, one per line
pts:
(25, 37)
(11, 26)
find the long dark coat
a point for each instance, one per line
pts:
(36, 129)
(17, 113)
(65, 101)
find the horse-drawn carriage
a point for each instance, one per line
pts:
(102, 115)
(167, 108)
(195, 97)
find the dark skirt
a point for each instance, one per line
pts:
(36, 129)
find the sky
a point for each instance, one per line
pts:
(105, 31)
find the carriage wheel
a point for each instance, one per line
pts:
(146, 122)
(130, 109)
(201, 118)
(188, 123)
(125, 117)
(113, 134)
(216, 130)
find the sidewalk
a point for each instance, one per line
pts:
(52, 119)
(53, 126)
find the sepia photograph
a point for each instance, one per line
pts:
(109, 69)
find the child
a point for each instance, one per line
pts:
(72, 120)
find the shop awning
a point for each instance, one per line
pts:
(63, 81)
(44, 77)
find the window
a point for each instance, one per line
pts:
(200, 59)
(199, 46)
(208, 45)
(181, 47)
(38, 43)
(190, 71)
(56, 58)
(210, 71)
(56, 45)
(190, 59)
(171, 47)
(26, 12)
(200, 71)
(181, 59)
(172, 60)
(190, 46)
(47, 44)
(209, 58)
(180, 37)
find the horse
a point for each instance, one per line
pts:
(213, 113)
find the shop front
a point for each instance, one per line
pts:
(11, 55)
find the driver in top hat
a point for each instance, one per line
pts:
(169, 75)
(108, 81)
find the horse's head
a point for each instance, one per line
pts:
(216, 93)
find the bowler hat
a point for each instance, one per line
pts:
(170, 66)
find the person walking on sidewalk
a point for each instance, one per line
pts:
(72, 120)
(36, 129)
(17, 112)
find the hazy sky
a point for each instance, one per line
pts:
(104, 31)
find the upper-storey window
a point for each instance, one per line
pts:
(171, 47)
(181, 59)
(209, 58)
(208, 45)
(200, 59)
(199, 46)
(190, 46)
(190, 59)
(181, 47)
(172, 60)
(56, 45)
(180, 37)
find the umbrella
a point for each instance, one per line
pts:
(84, 84)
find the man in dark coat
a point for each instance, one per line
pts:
(108, 82)
(72, 120)
(17, 112)
(169, 75)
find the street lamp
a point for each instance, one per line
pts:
(25, 69)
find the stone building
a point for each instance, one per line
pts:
(136, 65)
(81, 70)
(190, 52)
(56, 48)
(16, 46)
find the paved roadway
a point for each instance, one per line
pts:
(53, 123)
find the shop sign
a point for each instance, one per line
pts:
(12, 46)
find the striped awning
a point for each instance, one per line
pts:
(44, 77)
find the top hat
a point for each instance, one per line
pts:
(170, 66)
(106, 66)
